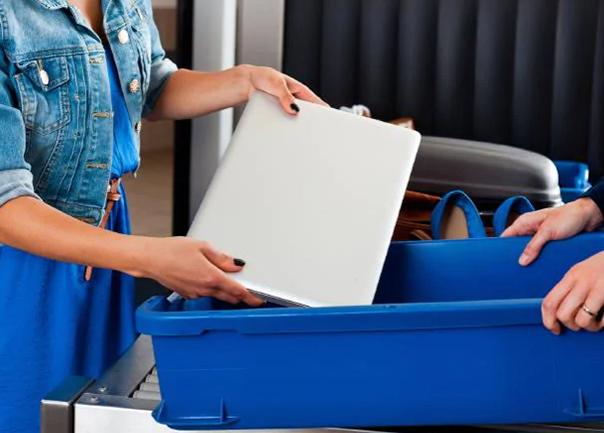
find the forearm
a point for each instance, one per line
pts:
(189, 94)
(180, 264)
(30, 225)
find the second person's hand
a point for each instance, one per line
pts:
(577, 299)
(193, 269)
(554, 224)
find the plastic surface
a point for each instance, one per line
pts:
(573, 174)
(489, 173)
(463, 343)
(574, 179)
(321, 190)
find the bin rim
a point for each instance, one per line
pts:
(153, 318)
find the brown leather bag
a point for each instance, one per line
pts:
(414, 218)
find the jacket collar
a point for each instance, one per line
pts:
(53, 4)
(59, 4)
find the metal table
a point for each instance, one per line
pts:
(121, 401)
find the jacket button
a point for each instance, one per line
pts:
(44, 77)
(123, 36)
(134, 86)
(138, 127)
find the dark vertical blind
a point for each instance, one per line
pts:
(182, 128)
(529, 73)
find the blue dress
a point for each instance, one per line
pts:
(53, 323)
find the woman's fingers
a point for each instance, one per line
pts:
(218, 294)
(233, 287)
(283, 87)
(280, 89)
(221, 260)
(223, 287)
(223, 296)
(549, 307)
(226, 288)
(195, 269)
(219, 285)
(301, 91)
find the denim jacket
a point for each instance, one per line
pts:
(56, 128)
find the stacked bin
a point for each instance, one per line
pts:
(455, 337)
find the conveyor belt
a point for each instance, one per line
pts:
(108, 404)
(149, 388)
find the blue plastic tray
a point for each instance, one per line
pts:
(573, 179)
(463, 343)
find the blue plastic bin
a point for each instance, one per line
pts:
(573, 179)
(458, 340)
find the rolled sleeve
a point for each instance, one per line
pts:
(162, 68)
(16, 183)
(16, 179)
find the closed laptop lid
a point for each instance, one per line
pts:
(308, 201)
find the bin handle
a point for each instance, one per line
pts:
(222, 420)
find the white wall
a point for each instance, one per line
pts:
(228, 32)
(215, 26)
(260, 32)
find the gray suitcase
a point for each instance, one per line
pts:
(489, 173)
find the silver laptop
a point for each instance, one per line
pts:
(309, 202)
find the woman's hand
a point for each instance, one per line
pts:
(189, 94)
(282, 86)
(577, 300)
(554, 224)
(189, 267)
(193, 269)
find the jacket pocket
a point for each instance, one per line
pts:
(42, 87)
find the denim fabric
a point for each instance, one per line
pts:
(55, 99)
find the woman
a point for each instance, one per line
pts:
(577, 300)
(76, 77)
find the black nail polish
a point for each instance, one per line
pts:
(295, 107)
(239, 262)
